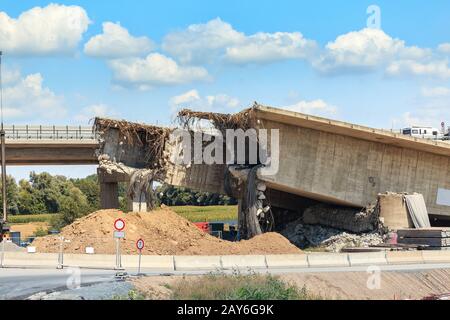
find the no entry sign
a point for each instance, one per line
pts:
(119, 224)
(140, 244)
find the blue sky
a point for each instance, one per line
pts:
(68, 61)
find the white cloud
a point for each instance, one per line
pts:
(95, 110)
(201, 42)
(314, 107)
(435, 92)
(444, 48)
(10, 76)
(439, 69)
(267, 47)
(185, 98)
(116, 42)
(214, 103)
(216, 39)
(39, 31)
(154, 70)
(27, 98)
(365, 50)
(430, 115)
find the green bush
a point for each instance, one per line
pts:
(132, 295)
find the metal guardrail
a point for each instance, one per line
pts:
(36, 132)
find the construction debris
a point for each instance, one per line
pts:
(331, 239)
(151, 138)
(255, 215)
(242, 120)
(350, 219)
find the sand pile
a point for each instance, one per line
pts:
(164, 233)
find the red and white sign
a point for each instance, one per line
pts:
(119, 224)
(140, 244)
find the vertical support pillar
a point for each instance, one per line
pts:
(109, 190)
(137, 204)
(109, 195)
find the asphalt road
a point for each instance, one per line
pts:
(18, 283)
(22, 283)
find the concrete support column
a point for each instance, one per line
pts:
(137, 204)
(109, 189)
(109, 195)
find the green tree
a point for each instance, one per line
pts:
(179, 196)
(91, 189)
(11, 196)
(72, 207)
(45, 193)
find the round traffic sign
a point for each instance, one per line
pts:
(119, 224)
(140, 244)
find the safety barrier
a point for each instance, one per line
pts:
(229, 262)
(197, 262)
(37, 132)
(328, 260)
(239, 262)
(367, 258)
(404, 257)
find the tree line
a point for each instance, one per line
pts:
(73, 198)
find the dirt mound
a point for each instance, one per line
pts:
(164, 233)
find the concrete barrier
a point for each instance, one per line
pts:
(436, 256)
(104, 261)
(328, 260)
(240, 262)
(287, 261)
(197, 263)
(155, 262)
(367, 258)
(404, 257)
(25, 259)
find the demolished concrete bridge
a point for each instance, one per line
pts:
(320, 160)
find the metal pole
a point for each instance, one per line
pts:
(2, 135)
(2, 138)
(3, 250)
(139, 266)
(61, 254)
(118, 257)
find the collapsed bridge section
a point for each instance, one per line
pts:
(319, 160)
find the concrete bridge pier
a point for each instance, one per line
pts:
(109, 190)
(137, 204)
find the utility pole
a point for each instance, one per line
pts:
(2, 140)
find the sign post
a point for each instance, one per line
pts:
(140, 245)
(119, 225)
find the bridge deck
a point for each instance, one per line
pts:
(51, 152)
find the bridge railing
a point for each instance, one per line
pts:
(36, 132)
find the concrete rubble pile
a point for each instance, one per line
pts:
(331, 239)
(353, 220)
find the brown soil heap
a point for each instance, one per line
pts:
(164, 233)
